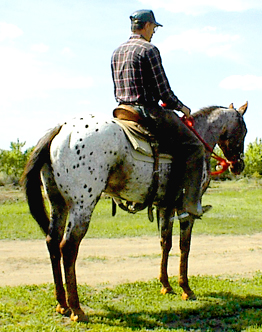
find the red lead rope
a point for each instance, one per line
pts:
(223, 164)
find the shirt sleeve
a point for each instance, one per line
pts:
(161, 82)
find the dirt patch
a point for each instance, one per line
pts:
(114, 261)
(11, 193)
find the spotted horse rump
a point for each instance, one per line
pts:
(81, 159)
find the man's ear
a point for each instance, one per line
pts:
(147, 25)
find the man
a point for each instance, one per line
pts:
(140, 81)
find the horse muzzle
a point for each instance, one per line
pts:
(236, 167)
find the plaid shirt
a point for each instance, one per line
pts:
(139, 76)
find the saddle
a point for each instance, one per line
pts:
(144, 148)
(142, 141)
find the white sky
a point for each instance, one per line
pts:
(55, 58)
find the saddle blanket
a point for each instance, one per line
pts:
(141, 148)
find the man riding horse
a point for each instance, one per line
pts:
(140, 82)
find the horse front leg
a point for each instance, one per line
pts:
(185, 241)
(166, 227)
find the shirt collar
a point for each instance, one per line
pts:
(136, 36)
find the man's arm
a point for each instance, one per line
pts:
(165, 92)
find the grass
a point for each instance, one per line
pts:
(236, 210)
(222, 305)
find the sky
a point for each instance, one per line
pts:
(55, 58)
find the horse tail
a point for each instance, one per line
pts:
(31, 178)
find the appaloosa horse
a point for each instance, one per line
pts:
(81, 159)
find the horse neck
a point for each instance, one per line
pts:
(210, 125)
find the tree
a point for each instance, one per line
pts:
(12, 162)
(253, 159)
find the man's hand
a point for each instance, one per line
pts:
(186, 111)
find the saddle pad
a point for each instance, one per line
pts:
(141, 148)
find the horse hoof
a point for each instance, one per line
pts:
(63, 311)
(167, 290)
(79, 316)
(189, 296)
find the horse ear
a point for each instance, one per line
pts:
(231, 106)
(242, 109)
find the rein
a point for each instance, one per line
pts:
(223, 164)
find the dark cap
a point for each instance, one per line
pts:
(144, 15)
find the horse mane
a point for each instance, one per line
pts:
(206, 110)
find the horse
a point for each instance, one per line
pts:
(79, 160)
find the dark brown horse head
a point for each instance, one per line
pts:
(231, 141)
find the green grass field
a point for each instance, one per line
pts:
(236, 210)
(224, 304)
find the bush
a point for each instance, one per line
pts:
(12, 162)
(253, 159)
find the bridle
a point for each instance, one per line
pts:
(223, 163)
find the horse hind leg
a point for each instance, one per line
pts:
(76, 230)
(58, 212)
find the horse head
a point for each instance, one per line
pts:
(231, 141)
